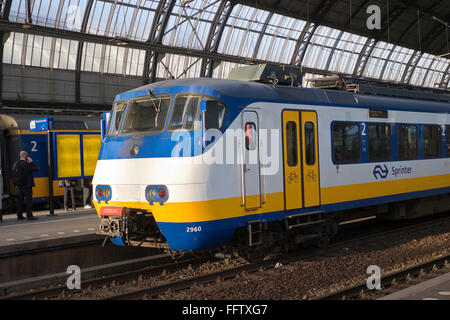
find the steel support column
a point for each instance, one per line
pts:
(412, 63)
(80, 52)
(364, 56)
(159, 25)
(215, 35)
(6, 9)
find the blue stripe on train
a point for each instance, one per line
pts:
(213, 234)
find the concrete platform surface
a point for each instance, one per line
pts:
(82, 223)
(434, 289)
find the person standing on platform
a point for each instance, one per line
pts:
(69, 186)
(87, 192)
(22, 175)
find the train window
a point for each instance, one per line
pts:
(146, 116)
(379, 139)
(407, 142)
(186, 111)
(310, 145)
(291, 143)
(250, 136)
(346, 143)
(116, 119)
(447, 136)
(432, 141)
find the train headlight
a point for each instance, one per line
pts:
(151, 192)
(99, 193)
(162, 193)
(108, 193)
(156, 194)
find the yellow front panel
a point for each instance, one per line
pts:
(292, 171)
(69, 158)
(310, 171)
(91, 150)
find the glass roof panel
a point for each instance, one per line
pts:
(189, 23)
(280, 38)
(174, 66)
(39, 51)
(346, 53)
(320, 47)
(420, 72)
(112, 59)
(126, 19)
(396, 65)
(64, 14)
(377, 59)
(242, 31)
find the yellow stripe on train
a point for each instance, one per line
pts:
(231, 207)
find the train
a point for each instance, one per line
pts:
(201, 164)
(15, 135)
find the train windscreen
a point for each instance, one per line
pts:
(146, 115)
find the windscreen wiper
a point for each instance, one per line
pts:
(157, 108)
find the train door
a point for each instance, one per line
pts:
(251, 170)
(300, 152)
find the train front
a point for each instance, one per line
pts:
(149, 190)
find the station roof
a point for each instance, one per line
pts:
(165, 39)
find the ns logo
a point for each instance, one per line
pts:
(380, 172)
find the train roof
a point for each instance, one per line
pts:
(60, 122)
(268, 92)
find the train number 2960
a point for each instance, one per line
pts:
(194, 229)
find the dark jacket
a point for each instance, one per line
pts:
(28, 168)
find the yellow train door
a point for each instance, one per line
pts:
(311, 188)
(300, 154)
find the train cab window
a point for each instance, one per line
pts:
(146, 115)
(407, 142)
(432, 141)
(379, 140)
(250, 136)
(116, 119)
(346, 143)
(310, 145)
(291, 144)
(187, 115)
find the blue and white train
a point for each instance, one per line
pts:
(196, 164)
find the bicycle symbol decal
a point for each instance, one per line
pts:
(292, 177)
(311, 176)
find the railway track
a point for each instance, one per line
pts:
(163, 264)
(223, 275)
(168, 266)
(388, 281)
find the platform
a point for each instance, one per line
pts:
(434, 289)
(62, 229)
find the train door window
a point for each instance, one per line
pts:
(407, 142)
(432, 141)
(379, 139)
(291, 144)
(250, 136)
(116, 119)
(346, 143)
(447, 136)
(310, 146)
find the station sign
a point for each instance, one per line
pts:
(41, 124)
